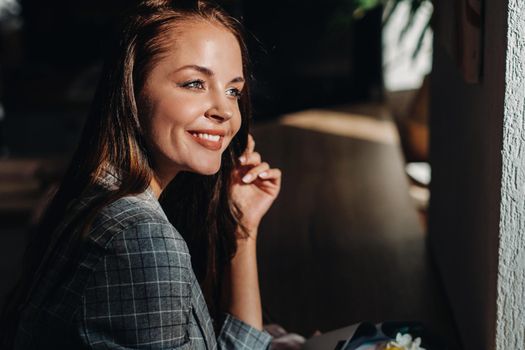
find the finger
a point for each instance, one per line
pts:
(253, 158)
(271, 174)
(270, 181)
(254, 172)
(250, 146)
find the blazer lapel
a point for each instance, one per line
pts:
(204, 321)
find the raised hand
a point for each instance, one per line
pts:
(255, 186)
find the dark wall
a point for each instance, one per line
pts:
(60, 43)
(466, 141)
(314, 54)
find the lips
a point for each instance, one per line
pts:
(210, 139)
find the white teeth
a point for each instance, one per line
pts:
(209, 137)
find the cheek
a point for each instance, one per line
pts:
(236, 124)
(177, 112)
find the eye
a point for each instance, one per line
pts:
(234, 92)
(193, 84)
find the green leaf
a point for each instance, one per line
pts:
(365, 5)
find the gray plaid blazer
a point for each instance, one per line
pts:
(129, 286)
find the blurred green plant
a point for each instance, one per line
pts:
(361, 7)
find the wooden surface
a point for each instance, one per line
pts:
(343, 242)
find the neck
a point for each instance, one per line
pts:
(159, 181)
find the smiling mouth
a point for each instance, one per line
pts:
(210, 139)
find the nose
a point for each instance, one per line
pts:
(220, 109)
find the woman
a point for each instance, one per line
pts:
(106, 268)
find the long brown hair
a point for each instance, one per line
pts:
(113, 136)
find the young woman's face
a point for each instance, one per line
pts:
(190, 99)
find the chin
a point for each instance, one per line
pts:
(207, 169)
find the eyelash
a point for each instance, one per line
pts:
(199, 85)
(191, 84)
(236, 93)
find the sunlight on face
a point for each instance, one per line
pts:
(190, 99)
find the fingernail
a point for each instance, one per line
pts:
(242, 159)
(247, 178)
(263, 174)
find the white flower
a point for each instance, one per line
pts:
(404, 341)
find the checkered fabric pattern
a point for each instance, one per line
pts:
(130, 287)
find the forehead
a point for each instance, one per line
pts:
(205, 44)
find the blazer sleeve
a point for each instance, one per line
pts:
(139, 295)
(236, 334)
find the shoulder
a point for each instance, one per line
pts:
(135, 218)
(141, 280)
(134, 233)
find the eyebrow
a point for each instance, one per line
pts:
(207, 71)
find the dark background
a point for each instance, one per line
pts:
(304, 54)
